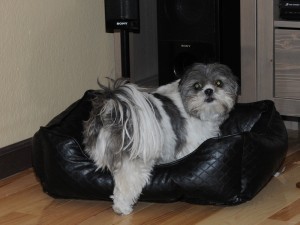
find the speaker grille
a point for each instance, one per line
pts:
(188, 12)
(186, 19)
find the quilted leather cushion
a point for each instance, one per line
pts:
(227, 170)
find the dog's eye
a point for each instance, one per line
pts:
(218, 83)
(197, 86)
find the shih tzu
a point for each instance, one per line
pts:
(130, 129)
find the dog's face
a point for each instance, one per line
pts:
(208, 91)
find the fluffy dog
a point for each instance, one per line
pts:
(130, 129)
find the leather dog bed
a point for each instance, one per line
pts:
(227, 170)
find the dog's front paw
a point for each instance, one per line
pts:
(122, 209)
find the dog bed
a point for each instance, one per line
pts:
(227, 170)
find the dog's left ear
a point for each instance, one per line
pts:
(237, 86)
(235, 82)
(185, 73)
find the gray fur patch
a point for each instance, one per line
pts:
(178, 122)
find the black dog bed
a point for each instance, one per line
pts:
(227, 170)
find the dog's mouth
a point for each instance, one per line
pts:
(209, 99)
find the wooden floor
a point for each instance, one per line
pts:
(22, 202)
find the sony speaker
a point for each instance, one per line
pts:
(192, 31)
(122, 15)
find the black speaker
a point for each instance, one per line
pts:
(192, 31)
(122, 15)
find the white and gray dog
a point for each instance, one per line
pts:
(130, 129)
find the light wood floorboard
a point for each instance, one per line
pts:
(22, 201)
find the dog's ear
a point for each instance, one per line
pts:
(187, 71)
(234, 80)
(185, 74)
(237, 87)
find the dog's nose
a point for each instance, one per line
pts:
(208, 92)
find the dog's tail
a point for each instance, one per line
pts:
(124, 120)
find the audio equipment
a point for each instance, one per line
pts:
(197, 31)
(122, 14)
(289, 9)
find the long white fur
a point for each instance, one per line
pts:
(146, 140)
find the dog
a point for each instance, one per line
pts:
(130, 130)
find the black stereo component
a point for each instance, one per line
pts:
(122, 15)
(197, 31)
(289, 9)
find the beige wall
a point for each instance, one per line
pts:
(51, 51)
